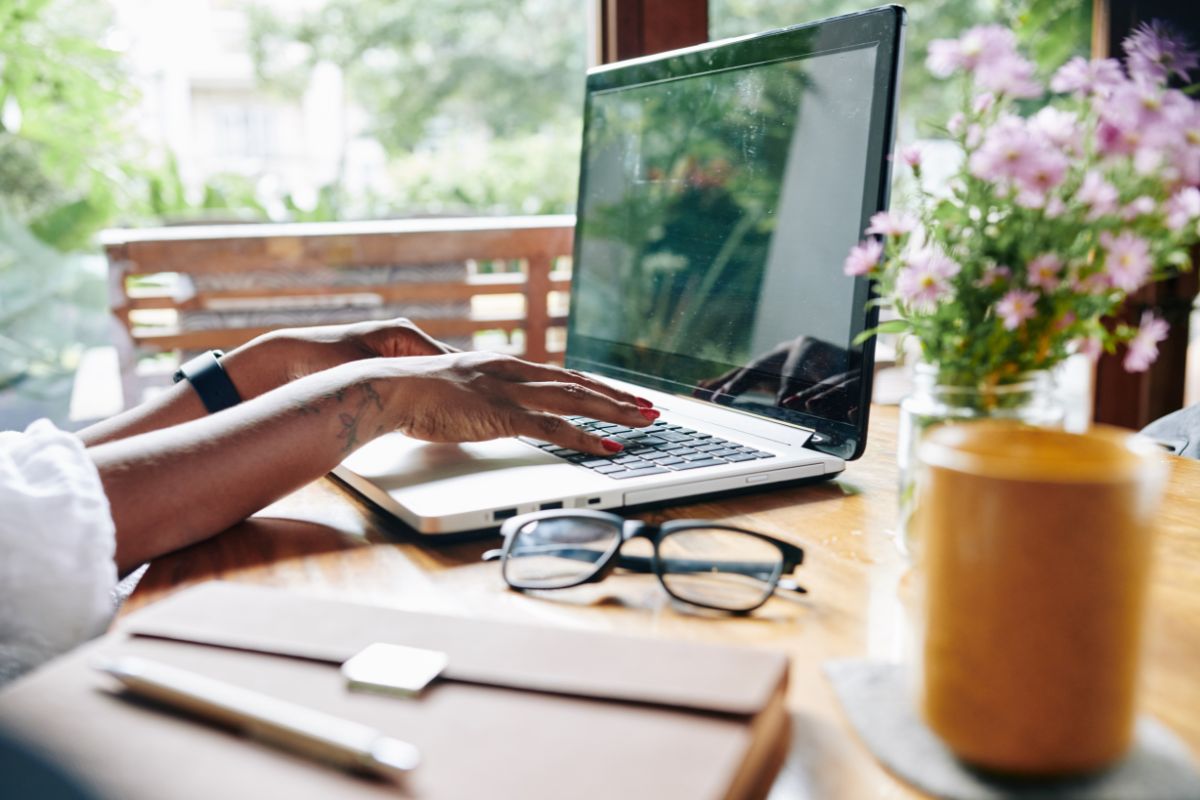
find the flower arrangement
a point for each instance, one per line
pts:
(1052, 219)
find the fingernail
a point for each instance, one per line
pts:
(643, 402)
(650, 413)
(612, 446)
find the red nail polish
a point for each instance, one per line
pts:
(611, 446)
(650, 413)
(642, 402)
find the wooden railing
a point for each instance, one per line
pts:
(194, 288)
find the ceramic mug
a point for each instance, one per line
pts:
(1033, 551)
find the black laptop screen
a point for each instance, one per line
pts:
(716, 208)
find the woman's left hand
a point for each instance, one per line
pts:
(282, 356)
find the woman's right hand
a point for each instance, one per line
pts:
(470, 397)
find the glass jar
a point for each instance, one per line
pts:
(1030, 398)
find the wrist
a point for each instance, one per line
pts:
(258, 366)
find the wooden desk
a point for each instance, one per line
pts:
(323, 541)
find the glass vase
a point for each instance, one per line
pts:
(1030, 398)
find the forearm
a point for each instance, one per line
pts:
(249, 367)
(173, 486)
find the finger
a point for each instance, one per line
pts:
(557, 430)
(573, 398)
(518, 369)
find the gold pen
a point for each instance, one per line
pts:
(324, 737)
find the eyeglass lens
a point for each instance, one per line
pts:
(713, 567)
(553, 553)
(719, 568)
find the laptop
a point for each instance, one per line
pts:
(720, 189)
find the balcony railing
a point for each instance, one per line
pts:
(194, 288)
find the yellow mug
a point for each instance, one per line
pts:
(1033, 550)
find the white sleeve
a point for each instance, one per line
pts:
(57, 542)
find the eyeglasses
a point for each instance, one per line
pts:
(705, 564)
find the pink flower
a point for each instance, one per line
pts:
(1087, 77)
(1182, 207)
(1016, 307)
(1065, 321)
(1098, 195)
(1138, 207)
(1010, 75)
(1143, 347)
(1127, 263)
(925, 278)
(983, 103)
(911, 156)
(979, 45)
(1045, 271)
(1044, 171)
(1006, 152)
(992, 275)
(1060, 128)
(1089, 346)
(888, 224)
(1154, 52)
(1055, 207)
(955, 124)
(863, 257)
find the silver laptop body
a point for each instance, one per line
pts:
(721, 187)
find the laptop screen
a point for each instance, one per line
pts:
(720, 191)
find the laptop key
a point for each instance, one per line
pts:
(578, 457)
(668, 461)
(740, 457)
(595, 462)
(708, 462)
(637, 473)
(695, 456)
(610, 469)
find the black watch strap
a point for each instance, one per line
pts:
(208, 378)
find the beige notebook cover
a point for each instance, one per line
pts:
(520, 712)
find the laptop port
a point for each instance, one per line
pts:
(593, 501)
(504, 513)
(545, 506)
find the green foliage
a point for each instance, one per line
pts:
(422, 69)
(68, 93)
(532, 174)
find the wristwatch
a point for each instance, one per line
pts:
(210, 381)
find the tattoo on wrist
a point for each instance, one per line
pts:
(351, 420)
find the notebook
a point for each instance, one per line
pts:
(520, 711)
(720, 190)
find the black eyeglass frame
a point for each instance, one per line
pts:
(792, 555)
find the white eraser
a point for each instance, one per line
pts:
(393, 668)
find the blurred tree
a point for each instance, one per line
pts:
(427, 74)
(62, 97)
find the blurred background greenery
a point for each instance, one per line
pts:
(140, 112)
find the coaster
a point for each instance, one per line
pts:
(876, 699)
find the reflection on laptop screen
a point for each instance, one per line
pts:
(715, 212)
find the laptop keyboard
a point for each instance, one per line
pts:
(659, 448)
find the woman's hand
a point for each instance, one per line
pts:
(469, 397)
(281, 356)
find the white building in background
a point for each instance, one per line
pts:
(201, 100)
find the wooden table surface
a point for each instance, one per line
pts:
(323, 541)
